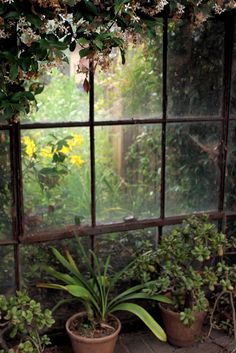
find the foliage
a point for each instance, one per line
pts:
(22, 316)
(187, 264)
(94, 291)
(35, 33)
(4, 184)
(63, 99)
(55, 170)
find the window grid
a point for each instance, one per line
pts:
(92, 231)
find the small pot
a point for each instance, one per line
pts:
(81, 344)
(177, 333)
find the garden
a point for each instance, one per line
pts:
(117, 175)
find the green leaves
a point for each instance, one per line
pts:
(24, 316)
(95, 290)
(144, 316)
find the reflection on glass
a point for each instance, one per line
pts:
(7, 272)
(56, 178)
(125, 246)
(5, 187)
(33, 261)
(230, 181)
(35, 257)
(195, 69)
(233, 81)
(132, 90)
(63, 97)
(127, 172)
(192, 170)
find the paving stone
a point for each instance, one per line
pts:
(155, 345)
(135, 343)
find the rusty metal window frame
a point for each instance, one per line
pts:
(94, 230)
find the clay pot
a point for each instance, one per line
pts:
(177, 333)
(82, 344)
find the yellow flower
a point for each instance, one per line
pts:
(76, 160)
(76, 140)
(46, 152)
(30, 147)
(65, 150)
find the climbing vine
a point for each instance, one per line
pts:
(35, 33)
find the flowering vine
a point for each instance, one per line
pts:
(35, 33)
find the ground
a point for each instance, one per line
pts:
(145, 342)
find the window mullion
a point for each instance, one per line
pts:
(92, 150)
(228, 55)
(164, 113)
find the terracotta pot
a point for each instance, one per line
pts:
(177, 333)
(82, 344)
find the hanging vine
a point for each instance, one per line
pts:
(35, 33)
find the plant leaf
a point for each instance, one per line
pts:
(144, 316)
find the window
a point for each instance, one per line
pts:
(152, 142)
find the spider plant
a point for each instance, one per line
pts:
(95, 291)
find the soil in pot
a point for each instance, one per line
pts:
(99, 339)
(177, 333)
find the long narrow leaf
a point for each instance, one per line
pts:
(72, 262)
(81, 292)
(134, 296)
(51, 286)
(144, 316)
(70, 267)
(133, 289)
(64, 277)
(63, 261)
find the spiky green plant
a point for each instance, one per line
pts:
(95, 292)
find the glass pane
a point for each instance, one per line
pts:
(192, 171)
(7, 270)
(123, 246)
(233, 81)
(63, 98)
(128, 172)
(5, 187)
(230, 181)
(133, 90)
(34, 258)
(33, 261)
(195, 69)
(56, 171)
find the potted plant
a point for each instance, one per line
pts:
(96, 329)
(184, 266)
(187, 257)
(23, 317)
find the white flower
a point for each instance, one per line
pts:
(218, 9)
(180, 8)
(3, 34)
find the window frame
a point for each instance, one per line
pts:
(94, 230)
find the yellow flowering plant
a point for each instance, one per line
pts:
(52, 160)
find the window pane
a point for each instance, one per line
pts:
(132, 90)
(35, 257)
(230, 181)
(56, 173)
(195, 69)
(5, 187)
(127, 172)
(7, 271)
(192, 171)
(123, 246)
(233, 81)
(33, 261)
(63, 98)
